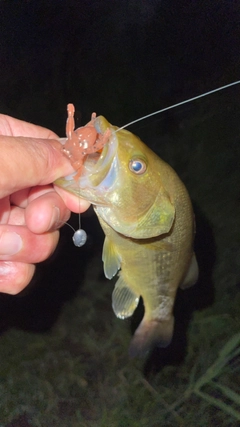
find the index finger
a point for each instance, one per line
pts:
(26, 162)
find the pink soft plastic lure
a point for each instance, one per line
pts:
(82, 141)
(85, 140)
(146, 215)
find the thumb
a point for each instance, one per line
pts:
(27, 162)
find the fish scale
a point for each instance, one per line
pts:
(147, 217)
(146, 214)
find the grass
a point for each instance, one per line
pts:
(64, 355)
(77, 372)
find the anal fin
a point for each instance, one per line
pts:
(124, 300)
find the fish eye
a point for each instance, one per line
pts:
(137, 166)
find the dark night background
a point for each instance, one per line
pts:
(124, 59)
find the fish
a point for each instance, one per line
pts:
(147, 217)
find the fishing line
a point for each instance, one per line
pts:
(80, 236)
(178, 104)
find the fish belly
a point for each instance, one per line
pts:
(152, 269)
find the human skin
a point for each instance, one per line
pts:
(32, 209)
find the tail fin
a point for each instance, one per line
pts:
(149, 334)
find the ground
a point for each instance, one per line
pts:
(64, 355)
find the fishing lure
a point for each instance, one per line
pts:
(82, 141)
(146, 214)
(86, 140)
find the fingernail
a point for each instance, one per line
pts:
(10, 243)
(55, 218)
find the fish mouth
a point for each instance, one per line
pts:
(97, 165)
(97, 169)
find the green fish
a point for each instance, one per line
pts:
(146, 214)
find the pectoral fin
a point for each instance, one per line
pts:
(111, 259)
(124, 300)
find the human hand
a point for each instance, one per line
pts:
(31, 210)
